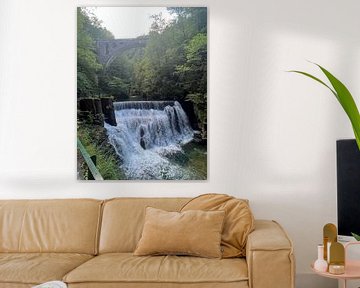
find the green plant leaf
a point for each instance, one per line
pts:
(356, 236)
(344, 97)
(357, 137)
(346, 100)
(316, 79)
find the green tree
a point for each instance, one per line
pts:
(193, 74)
(118, 79)
(165, 51)
(89, 30)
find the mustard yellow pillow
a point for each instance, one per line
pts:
(238, 223)
(193, 232)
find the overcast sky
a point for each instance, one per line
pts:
(129, 22)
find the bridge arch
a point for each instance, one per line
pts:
(108, 50)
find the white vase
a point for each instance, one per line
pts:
(320, 264)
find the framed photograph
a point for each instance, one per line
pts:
(142, 93)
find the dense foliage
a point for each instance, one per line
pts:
(89, 30)
(172, 66)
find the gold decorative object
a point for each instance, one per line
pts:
(337, 253)
(336, 269)
(337, 258)
(330, 236)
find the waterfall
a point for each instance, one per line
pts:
(157, 105)
(147, 134)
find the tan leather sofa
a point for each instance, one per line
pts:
(89, 243)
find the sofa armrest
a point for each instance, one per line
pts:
(269, 256)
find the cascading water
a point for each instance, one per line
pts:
(147, 134)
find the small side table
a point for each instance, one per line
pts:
(352, 269)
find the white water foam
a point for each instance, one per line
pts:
(147, 132)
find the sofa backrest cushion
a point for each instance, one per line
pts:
(66, 226)
(123, 220)
(238, 224)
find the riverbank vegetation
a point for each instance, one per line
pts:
(95, 142)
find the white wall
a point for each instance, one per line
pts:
(272, 134)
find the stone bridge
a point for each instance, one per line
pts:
(108, 50)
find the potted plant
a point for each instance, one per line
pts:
(345, 99)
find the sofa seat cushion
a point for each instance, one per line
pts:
(36, 268)
(15, 285)
(125, 267)
(242, 284)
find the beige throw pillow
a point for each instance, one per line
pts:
(239, 220)
(194, 232)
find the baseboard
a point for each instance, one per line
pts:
(310, 280)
